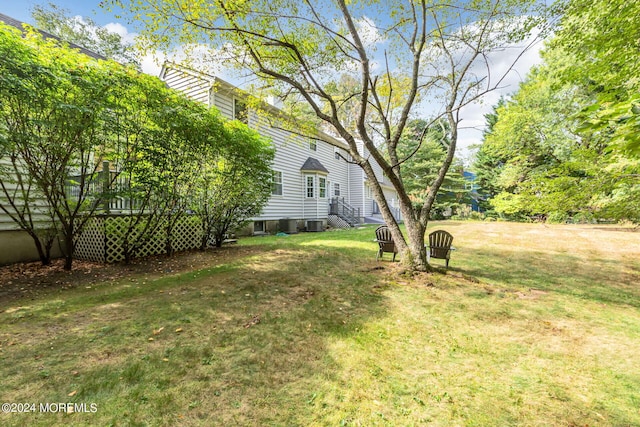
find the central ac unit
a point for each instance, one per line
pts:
(289, 226)
(315, 225)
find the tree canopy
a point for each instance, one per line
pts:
(602, 39)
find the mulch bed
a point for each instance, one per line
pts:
(32, 279)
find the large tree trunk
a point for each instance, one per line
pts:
(412, 253)
(417, 256)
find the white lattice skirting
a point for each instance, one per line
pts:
(105, 237)
(336, 222)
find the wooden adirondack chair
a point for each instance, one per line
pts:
(385, 242)
(440, 245)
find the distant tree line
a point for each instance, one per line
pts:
(566, 145)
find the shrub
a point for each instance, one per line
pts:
(583, 218)
(557, 217)
(491, 214)
(476, 216)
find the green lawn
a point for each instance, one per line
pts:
(534, 325)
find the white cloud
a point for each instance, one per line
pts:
(122, 31)
(368, 32)
(151, 63)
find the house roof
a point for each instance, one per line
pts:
(20, 25)
(313, 165)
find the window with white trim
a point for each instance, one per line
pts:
(310, 181)
(313, 146)
(322, 187)
(276, 183)
(336, 189)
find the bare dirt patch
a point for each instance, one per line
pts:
(531, 294)
(32, 279)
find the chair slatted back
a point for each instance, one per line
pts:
(383, 234)
(385, 241)
(440, 244)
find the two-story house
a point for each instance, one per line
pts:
(312, 179)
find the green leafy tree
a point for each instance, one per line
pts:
(177, 158)
(160, 136)
(550, 165)
(432, 53)
(83, 32)
(235, 182)
(602, 39)
(21, 199)
(64, 115)
(534, 140)
(52, 103)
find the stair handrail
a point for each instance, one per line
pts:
(342, 209)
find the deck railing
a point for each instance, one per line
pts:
(106, 187)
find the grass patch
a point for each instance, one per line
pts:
(532, 325)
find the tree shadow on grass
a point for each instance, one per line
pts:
(241, 344)
(605, 280)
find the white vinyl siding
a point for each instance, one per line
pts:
(38, 204)
(224, 105)
(189, 83)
